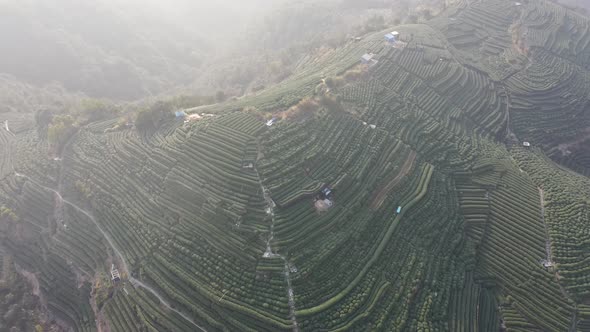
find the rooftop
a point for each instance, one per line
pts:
(115, 275)
(368, 56)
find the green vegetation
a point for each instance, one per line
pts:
(439, 219)
(150, 119)
(19, 307)
(60, 129)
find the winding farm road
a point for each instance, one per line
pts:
(133, 281)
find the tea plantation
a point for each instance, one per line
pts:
(390, 196)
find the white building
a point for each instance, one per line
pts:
(367, 58)
(115, 276)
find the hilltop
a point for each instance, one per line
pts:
(440, 186)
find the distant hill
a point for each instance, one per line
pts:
(575, 3)
(128, 50)
(120, 50)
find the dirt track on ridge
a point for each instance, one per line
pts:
(379, 197)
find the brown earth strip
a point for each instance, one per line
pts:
(379, 197)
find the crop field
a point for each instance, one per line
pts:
(539, 58)
(566, 198)
(396, 205)
(538, 300)
(6, 141)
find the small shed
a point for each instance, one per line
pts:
(366, 59)
(526, 144)
(271, 121)
(395, 34)
(399, 209)
(192, 117)
(390, 38)
(180, 114)
(115, 276)
(327, 192)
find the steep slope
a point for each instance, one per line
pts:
(431, 221)
(538, 52)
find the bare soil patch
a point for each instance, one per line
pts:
(380, 195)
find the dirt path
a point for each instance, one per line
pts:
(139, 283)
(564, 148)
(102, 324)
(132, 280)
(549, 260)
(547, 240)
(382, 194)
(270, 254)
(8, 129)
(510, 136)
(31, 279)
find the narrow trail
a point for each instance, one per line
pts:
(132, 280)
(549, 261)
(270, 254)
(32, 280)
(9, 147)
(8, 129)
(547, 241)
(61, 201)
(510, 135)
(165, 303)
(382, 194)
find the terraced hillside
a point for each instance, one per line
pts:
(539, 53)
(392, 196)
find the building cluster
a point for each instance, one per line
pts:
(392, 37)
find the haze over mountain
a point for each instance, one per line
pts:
(118, 49)
(127, 50)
